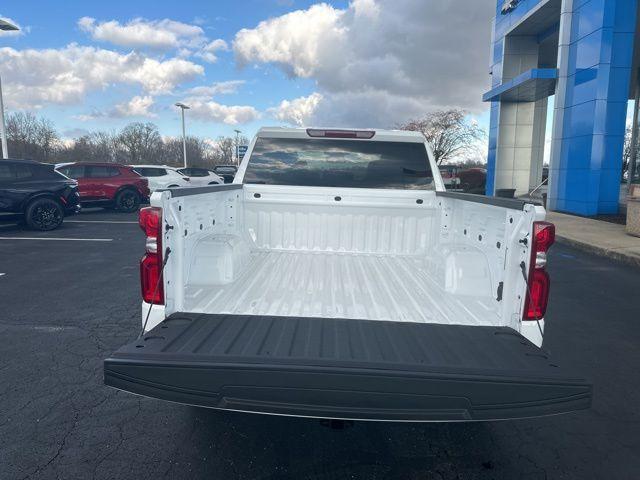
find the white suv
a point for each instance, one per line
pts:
(201, 177)
(160, 176)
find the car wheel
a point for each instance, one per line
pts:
(44, 214)
(127, 201)
(214, 183)
(173, 186)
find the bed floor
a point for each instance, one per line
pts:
(333, 285)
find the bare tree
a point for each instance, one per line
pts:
(224, 150)
(626, 154)
(36, 138)
(449, 133)
(141, 142)
(197, 152)
(31, 137)
(223, 153)
(94, 147)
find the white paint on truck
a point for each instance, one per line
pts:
(376, 254)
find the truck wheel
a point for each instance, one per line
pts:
(127, 201)
(44, 214)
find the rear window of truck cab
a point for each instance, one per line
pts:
(339, 163)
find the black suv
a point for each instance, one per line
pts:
(38, 192)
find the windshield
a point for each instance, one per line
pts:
(339, 163)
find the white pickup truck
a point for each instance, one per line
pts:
(336, 278)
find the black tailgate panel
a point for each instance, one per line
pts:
(338, 368)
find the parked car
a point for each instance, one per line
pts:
(227, 172)
(449, 174)
(107, 185)
(351, 289)
(161, 176)
(201, 177)
(37, 192)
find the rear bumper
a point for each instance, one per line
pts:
(328, 369)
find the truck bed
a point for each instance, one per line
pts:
(388, 287)
(345, 368)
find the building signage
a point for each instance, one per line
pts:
(509, 5)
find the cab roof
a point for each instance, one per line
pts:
(362, 134)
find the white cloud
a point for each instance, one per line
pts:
(209, 52)
(216, 88)
(379, 62)
(13, 33)
(214, 112)
(297, 41)
(159, 35)
(140, 33)
(298, 111)
(33, 78)
(138, 106)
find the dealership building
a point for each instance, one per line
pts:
(585, 53)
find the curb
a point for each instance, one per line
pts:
(631, 260)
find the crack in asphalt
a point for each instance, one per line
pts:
(58, 451)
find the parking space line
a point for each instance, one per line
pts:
(60, 239)
(99, 221)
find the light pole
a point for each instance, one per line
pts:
(5, 26)
(183, 107)
(238, 132)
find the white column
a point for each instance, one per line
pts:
(521, 130)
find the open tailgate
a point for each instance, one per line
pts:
(347, 369)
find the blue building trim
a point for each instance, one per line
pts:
(529, 86)
(593, 53)
(585, 172)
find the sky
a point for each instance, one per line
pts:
(244, 64)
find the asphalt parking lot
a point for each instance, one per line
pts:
(70, 297)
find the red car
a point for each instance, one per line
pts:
(107, 185)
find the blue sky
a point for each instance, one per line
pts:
(360, 63)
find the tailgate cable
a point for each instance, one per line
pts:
(523, 268)
(155, 291)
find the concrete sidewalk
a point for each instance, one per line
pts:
(602, 238)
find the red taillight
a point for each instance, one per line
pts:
(535, 305)
(321, 133)
(544, 234)
(150, 277)
(151, 264)
(539, 284)
(150, 221)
